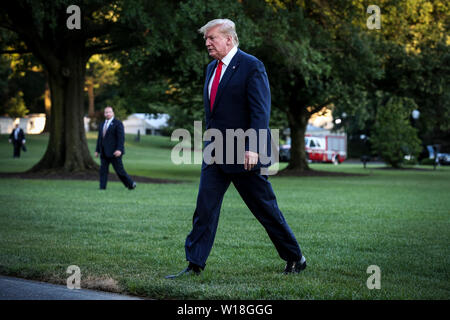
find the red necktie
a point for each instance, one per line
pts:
(215, 84)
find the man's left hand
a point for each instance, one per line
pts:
(117, 153)
(251, 159)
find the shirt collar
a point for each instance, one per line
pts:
(110, 120)
(227, 59)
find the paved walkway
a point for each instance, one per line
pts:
(20, 289)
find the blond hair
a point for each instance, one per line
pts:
(227, 27)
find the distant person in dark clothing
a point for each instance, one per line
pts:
(110, 147)
(17, 138)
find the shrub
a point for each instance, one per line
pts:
(394, 137)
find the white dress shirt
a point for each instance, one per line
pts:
(106, 125)
(226, 61)
(108, 122)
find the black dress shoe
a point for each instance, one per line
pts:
(191, 270)
(295, 266)
(133, 186)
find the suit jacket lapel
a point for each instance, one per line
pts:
(109, 127)
(205, 89)
(231, 69)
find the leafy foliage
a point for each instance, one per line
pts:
(394, 137)
(16, 106)
(317, 54)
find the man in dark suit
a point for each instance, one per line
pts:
(17, 138)
(110, 147)
(236, 96)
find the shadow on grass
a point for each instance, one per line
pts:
(316, 173)
(87, 176)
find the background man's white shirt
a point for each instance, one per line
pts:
(107, 123)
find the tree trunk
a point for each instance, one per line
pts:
(91, 111)
(48, 106)
(67, 148)
(298, 121)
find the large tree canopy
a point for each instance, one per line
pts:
(317, 54)
(316, 57)
(413, 47)
(40, 27)
(312, 56)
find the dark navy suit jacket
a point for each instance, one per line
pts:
(242, 102)
(114, 139)
(20, 136)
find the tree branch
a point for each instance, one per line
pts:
(20, 51)
(7, 26)
(108, 48)
(103, 49)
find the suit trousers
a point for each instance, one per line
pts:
(118, 167)
(257, 193)
(17, 146)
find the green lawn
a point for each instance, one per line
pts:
(129, 240)
(150, 157)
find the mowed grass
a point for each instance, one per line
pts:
(397, 220)
(150, 157)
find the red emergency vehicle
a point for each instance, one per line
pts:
(326, 148)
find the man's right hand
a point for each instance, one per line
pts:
(251, 160)
(96, 154)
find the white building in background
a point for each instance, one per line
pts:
(35, 123)
(32, 123)
(6, 125)
(145, 123)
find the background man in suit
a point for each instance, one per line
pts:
(17, 138)
(110, 147)
(236, 96)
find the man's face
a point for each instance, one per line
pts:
(217, 43)
(109, 113)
